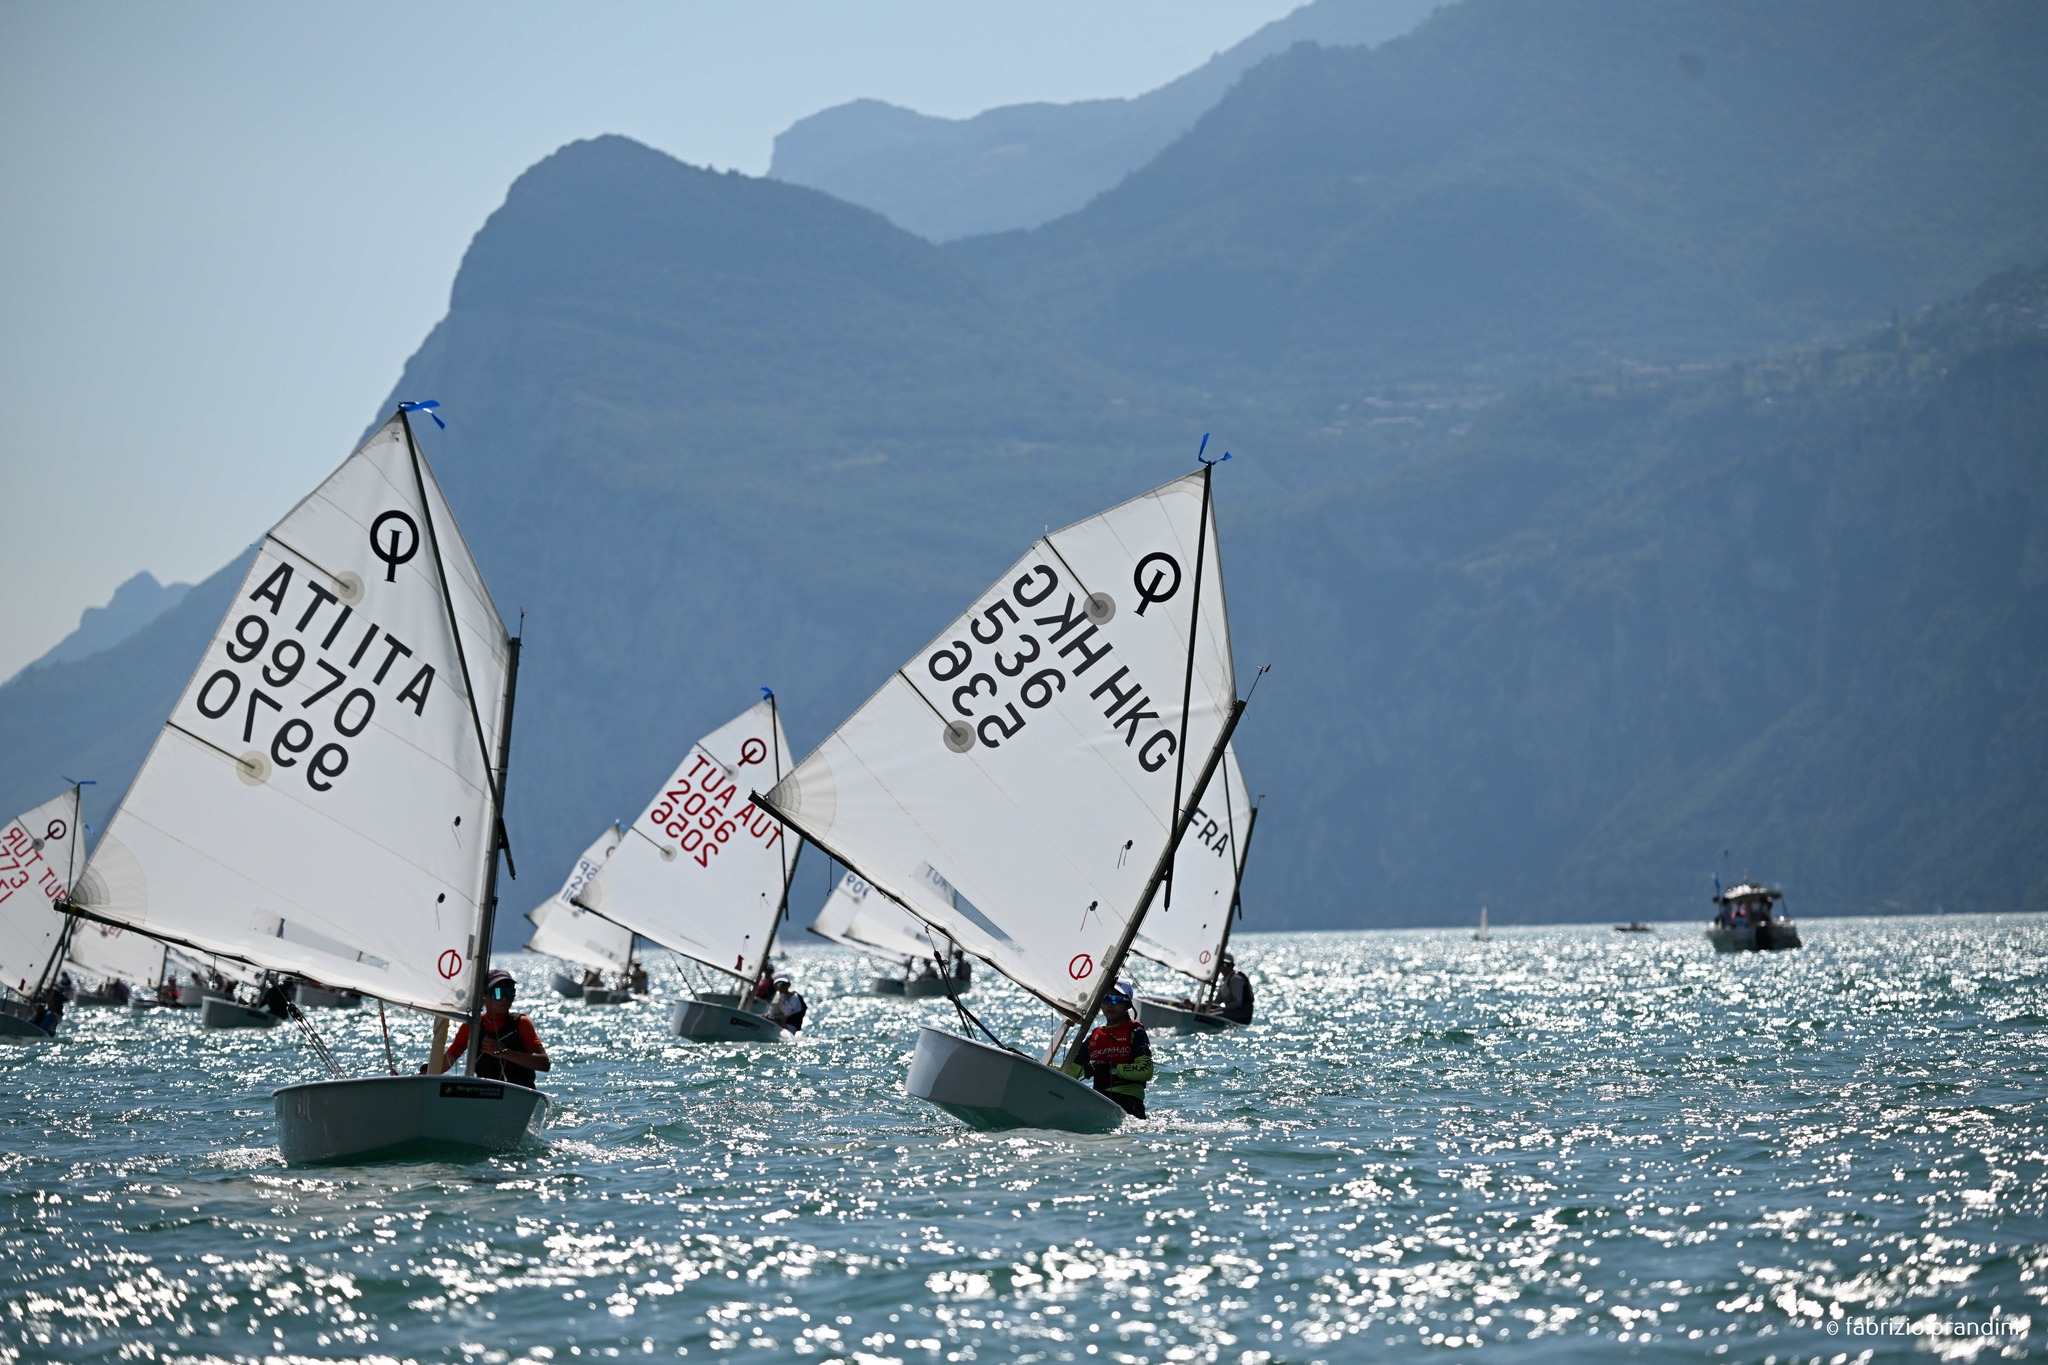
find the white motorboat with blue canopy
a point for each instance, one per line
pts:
(325, 798)
(705, 872)
(1021, 783)
(39, 855)
(1191, 934)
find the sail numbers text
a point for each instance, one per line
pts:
(1031, 646)
(696, 811)
(22, 865)
(308, 641)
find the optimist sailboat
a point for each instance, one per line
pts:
(38, 860)
(856, 917)
(1191, 935)
(325, 799)
(564, 927)
(705, 872)
(120, 961)
(1020, 785)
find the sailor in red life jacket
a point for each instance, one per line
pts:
(511, 1050)
(1118, 1055)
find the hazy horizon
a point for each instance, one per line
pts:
(233, 224)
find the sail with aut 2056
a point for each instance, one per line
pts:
(564, 924)
(704, 871)
(1187, 933)
(38, 860)
(321, 800)
(1013, 784)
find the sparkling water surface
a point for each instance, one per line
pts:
(1562, 1144)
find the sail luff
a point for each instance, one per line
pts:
(487, 919)
(1187, 687)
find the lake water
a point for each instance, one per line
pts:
(1563, 1144)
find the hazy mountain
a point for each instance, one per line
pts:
(134, 605)
(710, 433)
(1513, 191)
(1025, 164)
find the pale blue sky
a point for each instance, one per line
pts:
(225, 226)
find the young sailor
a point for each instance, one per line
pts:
(788, 1008)
(1117, 1057)
(1234, 993)
(511, 1050)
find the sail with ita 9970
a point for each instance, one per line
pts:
(1013, 785)
(321, 799)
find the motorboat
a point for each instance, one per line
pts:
(1749, 920)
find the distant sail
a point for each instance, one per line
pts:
(563, 925)
(704, 871)
(1189, 936)
(107, 952)
(1012, 785)
(320, 801)
(856, 917)
(38, 852)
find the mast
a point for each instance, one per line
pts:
(1159, 871)
(54, 964)
(1244, 853)
(782, 845)
(496, 771)
(1183, 816)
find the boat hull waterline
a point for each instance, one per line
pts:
(1162, 1016)
(993, 1088)
(14, 1029)
(215, 1012)
(1767, 938)
(395, 1116)
(707, 1021)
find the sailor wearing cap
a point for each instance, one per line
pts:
(1117, 1057)
(510, 1050)
(787, 1008)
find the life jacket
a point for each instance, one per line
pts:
(497, 1069)
(1111, 1044)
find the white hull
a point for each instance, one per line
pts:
(215, 1012)
(1772, 938)
(990, 1087)
(1159, 1015)
(708, 1021)
(930, 985)
(394, 1116)
(565, 985)
(311, 997)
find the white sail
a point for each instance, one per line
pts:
(855, 916)
(1185, 930)
(108, 952)
(1012, 785)
(320, 800)
(38, 853)
(703, 870)
(563, 925)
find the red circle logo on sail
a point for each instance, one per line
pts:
(451, 963)
(1082, 967)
